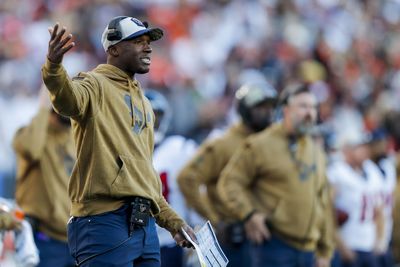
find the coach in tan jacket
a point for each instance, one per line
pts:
(204, 170)
(114, 188)
(45, 158)
(284, 170)
(255, 105)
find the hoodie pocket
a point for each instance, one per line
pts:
(135, 177)
(291, 218)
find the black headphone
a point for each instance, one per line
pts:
(114, 32)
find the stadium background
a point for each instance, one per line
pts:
(348, 50)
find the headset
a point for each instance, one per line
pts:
(292, 90)
(114, 32)
(249, 96)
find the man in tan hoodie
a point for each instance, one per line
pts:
(255, 105)
(288, 216)
(115, 191)
(45, 158)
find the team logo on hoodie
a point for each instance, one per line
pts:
(136, 115)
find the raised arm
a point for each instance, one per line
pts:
(69, 97)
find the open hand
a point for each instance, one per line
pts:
(256, 228)
(322, 262)
(58, 44)
(348, 255)
(379, 248)
(181, 240)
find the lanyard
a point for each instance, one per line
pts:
(305, 170)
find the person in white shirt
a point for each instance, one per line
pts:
(386, 164)
(170, 154)
(356, 184)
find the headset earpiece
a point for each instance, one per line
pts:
(114, 33)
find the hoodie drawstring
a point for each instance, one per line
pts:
(146, 122)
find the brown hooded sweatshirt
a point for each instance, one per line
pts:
(113, 125)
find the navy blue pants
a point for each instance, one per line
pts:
(52, 252)
(386, 259)
(92, 235)
(238, 255)
(363, 259)
(336, 261)
(276, 253)
(171, 256)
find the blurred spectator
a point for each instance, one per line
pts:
(356, 183)
(170, 154)
(379, 152)
(352, 46)
(396, 221)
